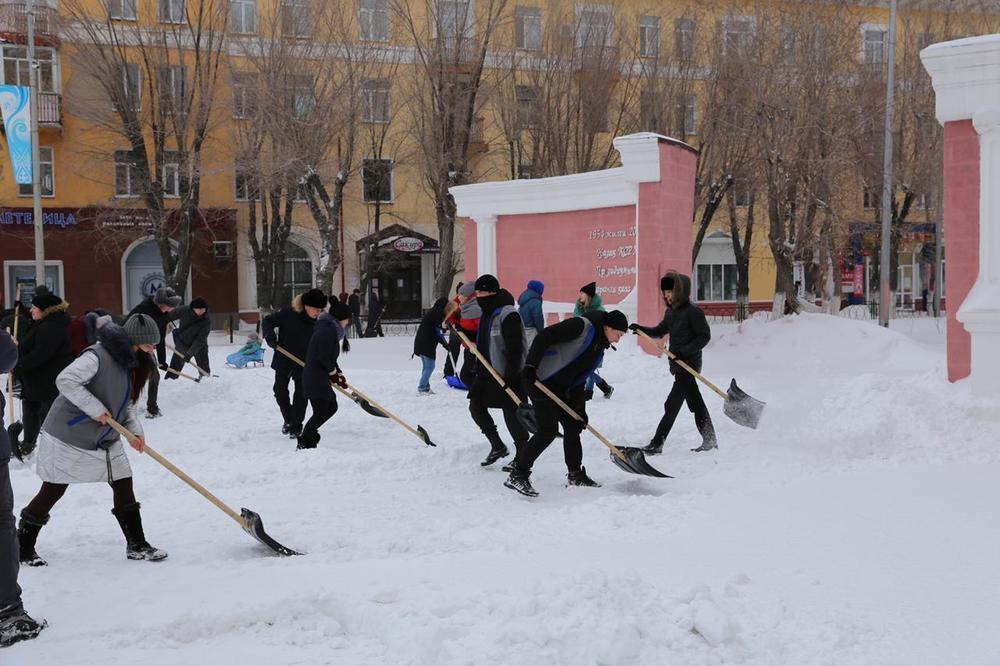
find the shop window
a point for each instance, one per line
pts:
(22, 273)
(716, 282)
(48, 172)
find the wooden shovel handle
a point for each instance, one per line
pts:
(179, 473)
(293, 357)
(569, 410)
(673, 357)
(186, 358)
(486, 364)
(167, 368)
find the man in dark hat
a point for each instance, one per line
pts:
(561, 358)
(689, 332)
(159, 307)
(294, 329)
(191, 338)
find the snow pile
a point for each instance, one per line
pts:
(855, 526)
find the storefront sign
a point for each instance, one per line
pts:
(408, 244)
(859, 280)
(26, 217)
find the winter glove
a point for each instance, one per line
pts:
(272, 342)
(338, 379)
(635, 328)
(530, 374)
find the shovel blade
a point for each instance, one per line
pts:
(526, 415)
(741, 407)
(14, 432)
(635, 463)
(369, 407)
(255, 528)
(425, 436)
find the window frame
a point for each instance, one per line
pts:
(725, 270)
(302, 15)
(244, 6)
(164, 12)
(129, 164)
(42, 162)
(122, 4)
(368, 23)
(873, 28)
(392, 180)
(48, 61)
(168, 84)
(647, 24)
(745, 27)
(684, 39)
(246, 100)
(591, 10)
(523, 16)
(372, 92)
(136, 100)
(249, 181)
(527, 112)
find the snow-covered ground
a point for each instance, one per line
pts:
(857, 525)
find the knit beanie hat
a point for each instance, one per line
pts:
(667, 283)
(467, 289)
(537, 286)
(340, 311)
(166, 296)
(141, 330)
(589, 289)
(45, 301)
(617, 320)
(487, 283)
(199, 304)
(314, 298)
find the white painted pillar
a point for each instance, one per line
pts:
(980, 313)
(486, 244)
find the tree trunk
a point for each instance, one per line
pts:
(447, 266)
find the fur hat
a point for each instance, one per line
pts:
(198, 303)
(45, 301)
(340, 311)
(536, 286)
(141, 330)
(617, 320)
(314, 298)
(166, 296)
(589, 289)
(488, 283)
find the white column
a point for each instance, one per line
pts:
(980, 313)
(486, 244)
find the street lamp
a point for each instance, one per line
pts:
(887, 188)
(36, 167)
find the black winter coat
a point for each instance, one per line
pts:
(485, 387)
(429, 333)
(574, 375)
(151, 309)
(686, 325)
(295, 328)
(321, 358)
(354, 302)
(44, 351)
(8, 359)
(191, 335)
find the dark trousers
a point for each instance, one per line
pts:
(177, 362)
(454, 349)
(481, 415)
(550, 416)
(685, 389)
(152, 391)
(33, 416)
(322, 410)
(10, 591)
(292, 410)
(468, 372)
(356, 322)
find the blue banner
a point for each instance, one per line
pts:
(17, 121)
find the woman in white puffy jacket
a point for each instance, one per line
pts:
(77, 445)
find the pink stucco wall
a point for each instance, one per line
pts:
(961, 228)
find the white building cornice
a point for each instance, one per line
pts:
(966, 76)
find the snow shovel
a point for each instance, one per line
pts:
(363, 404)
(204, 373)
(739, 406)
(15, 428)
(418, 431)
(167, 368)
(525, 413)
(249, 520)
(627, 458)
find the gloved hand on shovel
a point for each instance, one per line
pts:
(339, 379)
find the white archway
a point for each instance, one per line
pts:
(142, 272)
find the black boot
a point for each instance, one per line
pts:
(520, 481)
(580, 478)
(307, 440)
(498, 449)
(294, 430)
(606, 388)
(285, 428)
(654, 448)
(27, 535)
(136, 548)
(588, 395)
(19, 626)
(708, 440)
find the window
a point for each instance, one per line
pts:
(736, 35)
(244, 95)
(526, 170)
(301, 99)
(243, 16)
(873, 43)
(594, 24)
(528, 28)
(787, 46)
(16, 71)
(924, 201)
(48, 178)
(741, 191)
(375, 101)
(298, 272)
(295, 20)
(527, 106)
(871, 199)
(686, 113)
(131, 93)
(453, 21)
(122, 9)
(247, 187)
(650, 112)
(172, 11)
(127, 179)
(373, 17)
(684, 39)
(172, 89)
(649, 36)
(376, 177)
(716, 282)
(171, 180)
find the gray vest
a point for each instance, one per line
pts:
(561, 354)
(498, 352)
(112, 385)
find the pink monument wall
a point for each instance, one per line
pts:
(568, 240)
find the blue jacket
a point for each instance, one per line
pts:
(530, 308)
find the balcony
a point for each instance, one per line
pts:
(14, 24)
(49, 109)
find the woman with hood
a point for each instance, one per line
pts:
(529, 305)
(43, 353)
(321, 370)
(77, 444)
(590, 301)
(425, 343)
